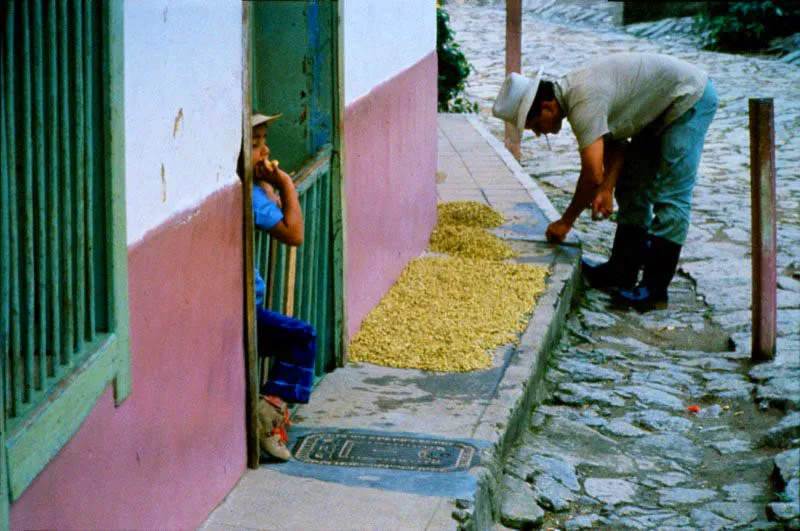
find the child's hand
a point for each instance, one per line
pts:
(264, 168)
(277, 177)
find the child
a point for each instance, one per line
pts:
(281, 217)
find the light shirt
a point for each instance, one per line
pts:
(623, 93)
(266, 215)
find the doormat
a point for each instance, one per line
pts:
(382, 451)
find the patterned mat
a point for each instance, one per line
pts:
(382, 451)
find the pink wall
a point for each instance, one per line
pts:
(176, 446)
(390, 183)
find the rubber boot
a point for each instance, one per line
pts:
(622, 269)
(659, 268)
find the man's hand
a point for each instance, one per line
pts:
(602, 205)
(557, 231)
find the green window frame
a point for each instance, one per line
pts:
(64, 331)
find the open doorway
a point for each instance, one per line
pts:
(294, 57)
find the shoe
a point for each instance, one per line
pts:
(641, 299)
(273, 417)
(622, 269)
(275, 447)
(659, 269)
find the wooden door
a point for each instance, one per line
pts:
(294, 48)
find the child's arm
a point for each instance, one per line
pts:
(270, 191)
(290, 229)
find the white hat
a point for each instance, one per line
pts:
(515, 99)
(259, 119)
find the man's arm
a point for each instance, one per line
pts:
(613, 159)
(585, 191)
(290, 229)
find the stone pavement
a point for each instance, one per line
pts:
(614, 445)
(486, 409)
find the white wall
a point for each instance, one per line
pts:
(382, 38)
(183, 63)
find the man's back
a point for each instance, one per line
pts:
(622, 93)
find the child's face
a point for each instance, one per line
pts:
(260, 149)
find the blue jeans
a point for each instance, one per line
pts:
(654, 190)
(293, 345)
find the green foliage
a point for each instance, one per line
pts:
(453, 68)
(747, 26)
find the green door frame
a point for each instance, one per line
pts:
(339, 202)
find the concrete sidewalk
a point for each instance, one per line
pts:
(485, 410)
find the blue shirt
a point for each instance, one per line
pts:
(266, 215)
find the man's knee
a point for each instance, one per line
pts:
(671, 222)
(634, 205)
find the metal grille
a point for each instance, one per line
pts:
(54, 268)
(313, 287)
(343, 448)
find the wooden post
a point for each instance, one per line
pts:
(250, 359)
(291, 276)
(764, 242)
(513, 63)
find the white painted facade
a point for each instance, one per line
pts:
(183, 68)
(383, 38)
(183, 105)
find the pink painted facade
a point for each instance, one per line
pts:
(390, 182)
(176, 446)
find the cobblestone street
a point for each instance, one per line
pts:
(614, 445)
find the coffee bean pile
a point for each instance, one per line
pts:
(450, 313)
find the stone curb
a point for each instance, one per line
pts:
(506, 415)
